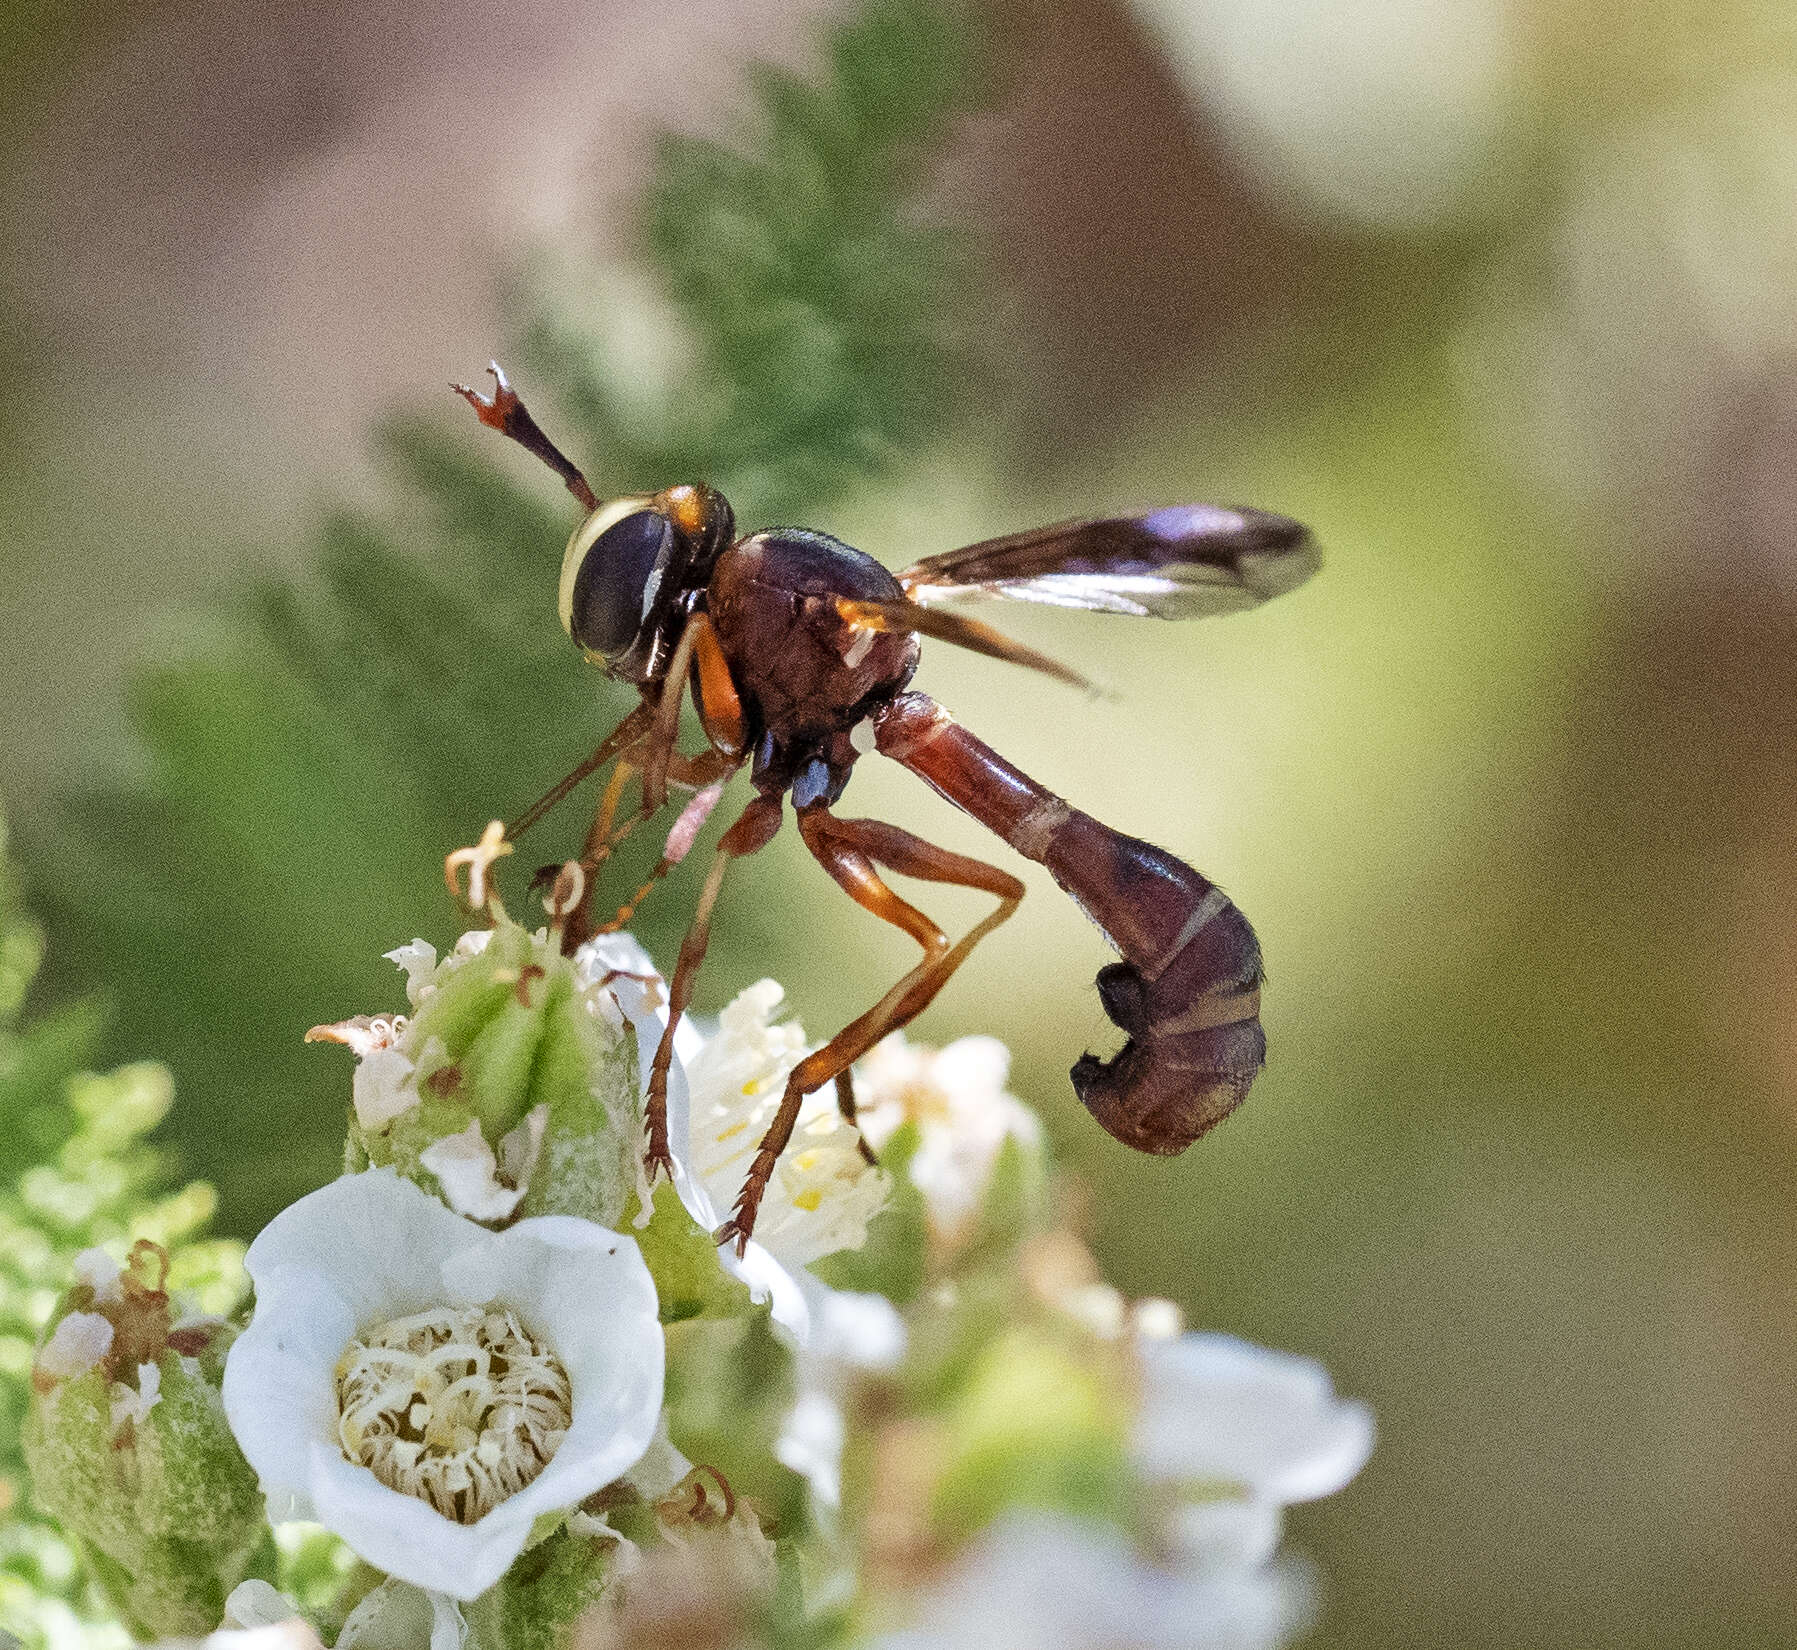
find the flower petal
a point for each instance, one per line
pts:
(343, 1230)
(1041, 1581)
(80, 1341)
(397, 1616)
(1222, 1411)
(280, 1389)
(467, 1171)
(370, 1247)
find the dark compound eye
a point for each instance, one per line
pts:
(617, 566)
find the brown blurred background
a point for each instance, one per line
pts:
(1501, 297)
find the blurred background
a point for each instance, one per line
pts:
(1500, 296)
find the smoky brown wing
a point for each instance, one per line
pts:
(1181, 562)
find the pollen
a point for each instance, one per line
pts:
(459, 1407)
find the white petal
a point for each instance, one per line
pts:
(419, 960)
(1226, 1534)
(660, 1468)
(280, 1385)
(100, 1272)
(857, 1330)
(81, 1340)
(466, 1169)
(397, 1616)
(294, 1634)
(973, 1068)
(770, 1282)
(1223, 1411)
(382, 1087)
(257, 1604)
(1039, 1581)
(379, 1238)
(810, 1443)
(134, 1403)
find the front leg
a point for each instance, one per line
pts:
(753, 830)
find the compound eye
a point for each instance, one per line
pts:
(612, 573)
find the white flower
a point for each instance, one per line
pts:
(1042, 1581)
(370, 1272)
(1245, 1431)
(823, 1192)
(80, 1341)
(616, 967)
(957, 1098)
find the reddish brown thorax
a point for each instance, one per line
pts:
(806, 676)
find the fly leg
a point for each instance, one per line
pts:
(848, 849)
(705, 775)
(753, 830)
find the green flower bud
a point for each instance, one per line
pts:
(1036, 1423)
(510, 1091)
(128, 1449)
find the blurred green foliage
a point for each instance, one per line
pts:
(307, 776)
(76, 1174)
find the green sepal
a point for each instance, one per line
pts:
(690, 1281)
(168, 1514)
(501, 1033)
(536, 1603)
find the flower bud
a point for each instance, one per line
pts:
(128, 1448)
(510, 1090)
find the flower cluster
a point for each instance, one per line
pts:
(528, 1401)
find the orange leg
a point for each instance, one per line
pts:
(845, 1103)
(680, 840)
(753, 830)
(847, 849)
(714, 691)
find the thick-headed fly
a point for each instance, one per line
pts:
(798, 650)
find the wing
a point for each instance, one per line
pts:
(1182, 562)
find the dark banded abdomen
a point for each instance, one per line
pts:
(1187, 992)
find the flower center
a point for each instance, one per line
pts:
(459, 1407)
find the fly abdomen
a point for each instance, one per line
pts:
(1187, 992)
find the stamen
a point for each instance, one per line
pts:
(459, 1407)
